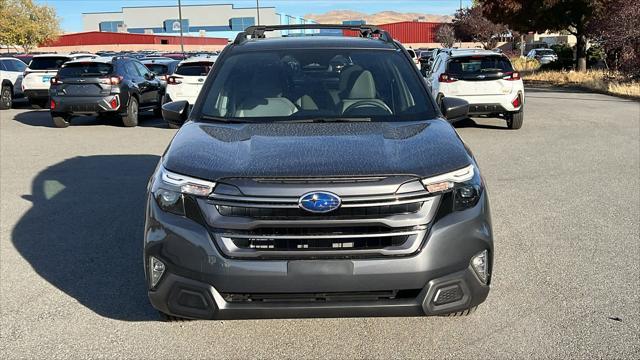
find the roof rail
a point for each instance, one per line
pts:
(257, 32)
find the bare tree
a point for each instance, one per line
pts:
(471, 25)
(446, 36)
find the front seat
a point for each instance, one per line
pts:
(265, 96)
(364, 93)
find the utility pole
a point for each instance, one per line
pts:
(258, 10)
(181, 33)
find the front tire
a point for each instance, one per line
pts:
(61, 120)
(131, 118)
(6, 97)
(515, 120)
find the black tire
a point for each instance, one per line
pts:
(515, 120)
(6, 97)
(465, 312)
(157, 111)
(131, 119)
(61, 120)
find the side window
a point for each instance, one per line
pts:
(3, 66)
(436, 64)
(130, 68)
(142, 70)
(15, 65)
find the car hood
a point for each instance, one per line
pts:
(216, 151)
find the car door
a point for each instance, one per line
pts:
(149, 91)
(137, 80)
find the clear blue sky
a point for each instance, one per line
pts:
(71, 10)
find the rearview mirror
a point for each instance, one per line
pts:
(454, 109)
(175, 112)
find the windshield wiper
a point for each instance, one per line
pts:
(328, 120)
(227, 120)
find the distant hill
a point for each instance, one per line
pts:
(383, 17)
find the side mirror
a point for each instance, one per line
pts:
(175, 112)
(454, 109)
(149, 76)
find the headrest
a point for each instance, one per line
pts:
(364, 87)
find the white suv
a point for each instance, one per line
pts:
(483, 78)
(42, 68)
(11, 81)
(187, 80)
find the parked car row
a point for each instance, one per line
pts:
(109, 86)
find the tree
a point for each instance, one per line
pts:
(26, 24)
(445, 35)
(471, 25)
(573, 16)
(616, 27)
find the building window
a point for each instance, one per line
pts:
(239, 24)
(110, 26)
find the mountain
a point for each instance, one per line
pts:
(383, 17)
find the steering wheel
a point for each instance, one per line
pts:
(382, 108)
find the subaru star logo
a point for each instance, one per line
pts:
(319, 202)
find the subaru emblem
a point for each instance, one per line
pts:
(319, 202)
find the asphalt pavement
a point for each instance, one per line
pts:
(565, 197)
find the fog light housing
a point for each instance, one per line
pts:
(480, 265)
(156, 270)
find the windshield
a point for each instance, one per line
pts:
(47, 63)
(320, 84)
(477, 65)
(194, 69)
(85, 69)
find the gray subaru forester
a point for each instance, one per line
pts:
(315, 176)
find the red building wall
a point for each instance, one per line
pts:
(412, 32)
(108, 38)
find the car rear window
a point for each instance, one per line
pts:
(545, 52)
(157, 69)
(47, 62)
(194, 69)
(478, 65)
(87, 69)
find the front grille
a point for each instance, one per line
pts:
(341, 213)
(321, 242)
(278, 208)
(286, 244)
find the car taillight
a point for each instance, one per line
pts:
(115, 102)
(516, 102)
(174, 80)
(511, 76)
(113, 80)
(52, 104)
(446, 78)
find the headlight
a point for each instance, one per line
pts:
(169, 190)
(465, 184)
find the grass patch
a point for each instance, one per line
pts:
(599, 81)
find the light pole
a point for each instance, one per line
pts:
(258, 10)
(181, 34)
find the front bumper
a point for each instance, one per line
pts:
(85, 104)
(198, 274)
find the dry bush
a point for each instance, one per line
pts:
(612, 83)
(524, 64)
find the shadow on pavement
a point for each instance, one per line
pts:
(552, 93)
(84, 232)
(470, 123)
(43, 118)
